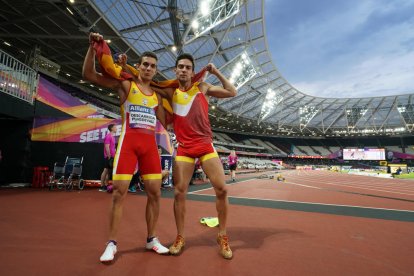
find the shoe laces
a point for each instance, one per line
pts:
(178, 240)
(224, 241)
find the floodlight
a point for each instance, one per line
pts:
(210, 13)
(205, 7)
(195, 24)
(238, 70)
(271, 101)
(242, 71)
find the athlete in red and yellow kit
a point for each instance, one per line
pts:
(194, 136)
(140, 109)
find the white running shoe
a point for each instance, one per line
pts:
(157, 247)
(109, 253)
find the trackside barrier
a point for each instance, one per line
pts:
(17, 79)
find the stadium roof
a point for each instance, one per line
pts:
(231, 34)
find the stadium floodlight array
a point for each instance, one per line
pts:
(397, 129)
(272, 100)
(367, 131)
(242, 70)
(210, 13)
(306, 114)
(239, 70)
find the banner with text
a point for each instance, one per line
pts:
(86, 130)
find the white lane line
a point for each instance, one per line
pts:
(358, 184)
(292, 183)
(389, 181)
(211, 188)
(314, 203)
(357, 187)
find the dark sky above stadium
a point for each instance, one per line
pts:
(343, 48)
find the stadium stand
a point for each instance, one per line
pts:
(83, 94)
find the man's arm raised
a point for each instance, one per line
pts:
(226, 91)
(89, 72)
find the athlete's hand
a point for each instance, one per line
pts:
(122, 59)
(211, 68)
(95, 37)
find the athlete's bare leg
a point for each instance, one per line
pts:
(182, 173)
(120, 189)
(153, 189)
(214, 171)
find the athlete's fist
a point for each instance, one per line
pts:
(211, 68)
(124, 58)
(121, 59)
(95, 37)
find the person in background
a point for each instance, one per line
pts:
(232, 162)
(109, 153)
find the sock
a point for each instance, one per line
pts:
(150, 239)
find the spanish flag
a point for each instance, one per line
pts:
(111, 69)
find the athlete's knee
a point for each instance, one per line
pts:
(221, 191)
(118, 195)
(153, 194)
(180, 193)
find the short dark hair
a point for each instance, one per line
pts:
(185, 56)
(110, 126)
(147, 54)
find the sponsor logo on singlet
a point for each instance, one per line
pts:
(141, 117)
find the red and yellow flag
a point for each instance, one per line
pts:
(113, 70)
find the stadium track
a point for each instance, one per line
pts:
(315, 223)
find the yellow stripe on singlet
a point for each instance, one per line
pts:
(118, 149)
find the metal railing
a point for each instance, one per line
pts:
(17, 79)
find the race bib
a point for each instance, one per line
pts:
(141, 117)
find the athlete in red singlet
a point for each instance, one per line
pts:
(140, 109)
(194, 136)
